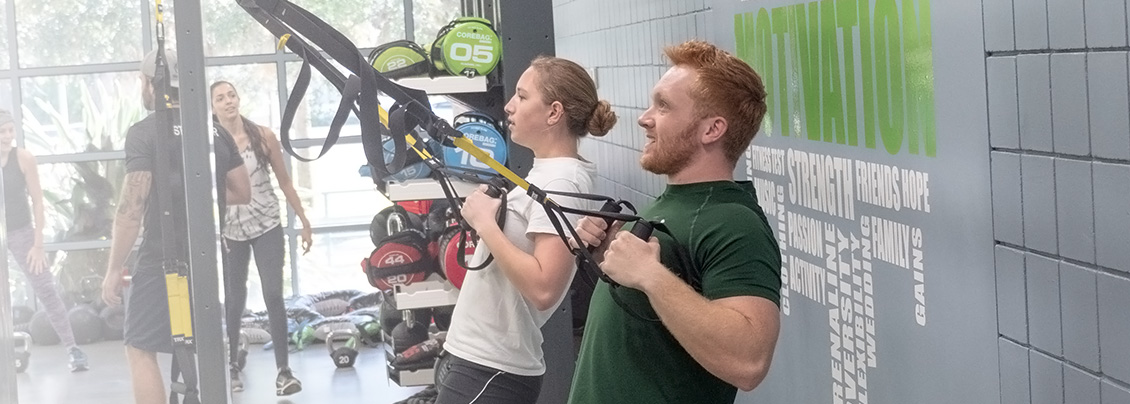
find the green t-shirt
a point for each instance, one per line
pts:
(627, 359)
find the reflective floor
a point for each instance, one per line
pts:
(48, 381)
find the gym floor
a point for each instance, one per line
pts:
(48, 381)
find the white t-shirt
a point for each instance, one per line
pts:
(493, 324)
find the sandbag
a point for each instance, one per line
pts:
(367, 300)
(331, 307)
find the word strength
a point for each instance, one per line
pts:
(834, 185)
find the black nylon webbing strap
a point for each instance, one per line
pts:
(183, 374)
(286, 20)
(304, 31)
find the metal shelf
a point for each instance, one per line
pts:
(446, 84)
(430, 293)
(423, 189)
(408, 378)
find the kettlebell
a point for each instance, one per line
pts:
(345, 355)
(442, 316)
(406, 335)
(23, 350)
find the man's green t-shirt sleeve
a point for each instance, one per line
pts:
(739, 254)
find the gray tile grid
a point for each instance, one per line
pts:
(1075, 209)
(1080, 306)
(1035, 106)
(1080, 387)
(1110, 104)
(1008, 224)
(1044, 322)
(1065, 24)
(1070, 128)
(1106, 23)
(1012, 308)
(1047, 379)
(1038, 198)
(1114, 326)
(1014, 368)
(1114, 394)
(1031, 24)
(1112, 215)
(1004, 123)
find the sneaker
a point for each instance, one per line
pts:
(77, 360)
(236, 382)
(286, 384)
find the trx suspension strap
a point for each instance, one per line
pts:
(294, 26)
(298, 30)
(173, 260)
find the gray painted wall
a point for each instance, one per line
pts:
(1026, 301)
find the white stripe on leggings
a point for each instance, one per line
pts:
(484, 388)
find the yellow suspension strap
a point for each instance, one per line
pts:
(183, 373)
(556, 212)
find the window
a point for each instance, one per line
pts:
(79, 199)
(332, 190)
(70, 109)
(84, 113)
(230, 31)
(4, 40)
(87, 32)
(312, 118)
(367, 23)
(6, 96)
(79, 273)
(334, 263)
(70, 269)
(431, 15)
(258, 88)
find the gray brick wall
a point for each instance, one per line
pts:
(1059, 125)
(621, 43)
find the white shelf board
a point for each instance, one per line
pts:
(408, 378)
(430, 293)
(446, 84)
(425, 188)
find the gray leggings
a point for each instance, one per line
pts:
(269, 260)
(43, 284)
(471, 383)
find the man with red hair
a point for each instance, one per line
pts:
(696, 314)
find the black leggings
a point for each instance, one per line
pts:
(468, 382)
(269, 260)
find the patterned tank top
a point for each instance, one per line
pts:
(245, 222)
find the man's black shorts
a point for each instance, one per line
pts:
(147, 312)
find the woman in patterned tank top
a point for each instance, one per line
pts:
(257, 227)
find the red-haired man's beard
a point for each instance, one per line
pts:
(667, 155)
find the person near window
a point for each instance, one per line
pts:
(25, 238)
(257, 227)
(147, 329)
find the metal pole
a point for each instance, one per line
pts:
(409, 21)
(7, 343)
(206, 310)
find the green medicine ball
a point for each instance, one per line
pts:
(399, 59)
(468, 46)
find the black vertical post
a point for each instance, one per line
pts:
(526, 28)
